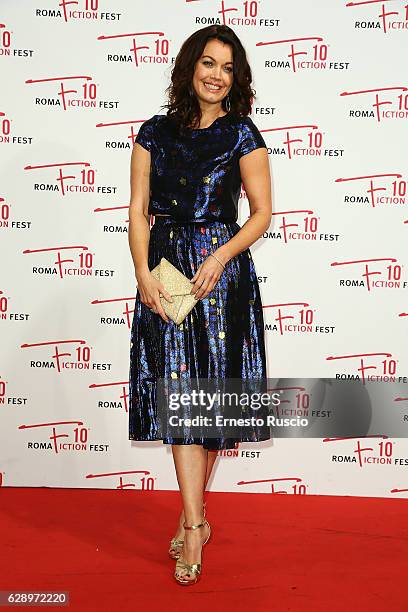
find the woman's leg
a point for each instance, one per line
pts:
(211, 457)
(191, 468)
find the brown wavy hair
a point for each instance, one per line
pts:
(183, 106)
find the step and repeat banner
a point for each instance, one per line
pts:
(78, 79)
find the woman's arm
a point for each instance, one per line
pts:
(256, 177)
(255, 174)
(139, 228)
(149, 287)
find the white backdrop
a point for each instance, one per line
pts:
(332, 105)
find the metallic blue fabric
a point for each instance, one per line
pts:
(196, 180)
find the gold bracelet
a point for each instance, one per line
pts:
(218, 260)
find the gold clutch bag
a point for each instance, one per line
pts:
(179, 287)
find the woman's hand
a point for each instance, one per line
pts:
(207, 275)
(150, 290)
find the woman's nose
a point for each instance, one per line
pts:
(216, 74)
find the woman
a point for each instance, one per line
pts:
(186, 169)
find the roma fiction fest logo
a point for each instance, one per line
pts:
(120, 392)
(295, 401)
(367, 367)
(301, 53)
(399, 490)
(138, 48)
(379, 15)
(298, 225)
(110, 227)
(6, 134)
(61, 436)
(375, 190)
(67, 354)
(301, 140)
(7, 399)
(295, 318)
(232, 13)
(79, 10)
(128, 139)
(7, 48)
(122, 318)
(365, 452)
(80, 262)
(6, 218)
(372, 274)
(284, 485)
(70, 91)
(380, 103)
(70, 177)
(129, 479)
(7, 312)
(237, 453)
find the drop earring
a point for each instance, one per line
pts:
(228, 103)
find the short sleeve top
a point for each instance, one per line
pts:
(196, 177)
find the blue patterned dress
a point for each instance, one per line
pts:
(195, 178)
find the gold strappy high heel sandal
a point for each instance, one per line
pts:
(194, 569)
(177, 545)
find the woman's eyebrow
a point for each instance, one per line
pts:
(214, 59)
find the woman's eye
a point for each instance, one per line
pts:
(209, 63)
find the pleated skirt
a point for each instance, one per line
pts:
(222, 337)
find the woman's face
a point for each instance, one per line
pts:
(213, 73)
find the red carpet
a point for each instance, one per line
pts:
(278, 552)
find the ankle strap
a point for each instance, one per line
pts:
(195, 526)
